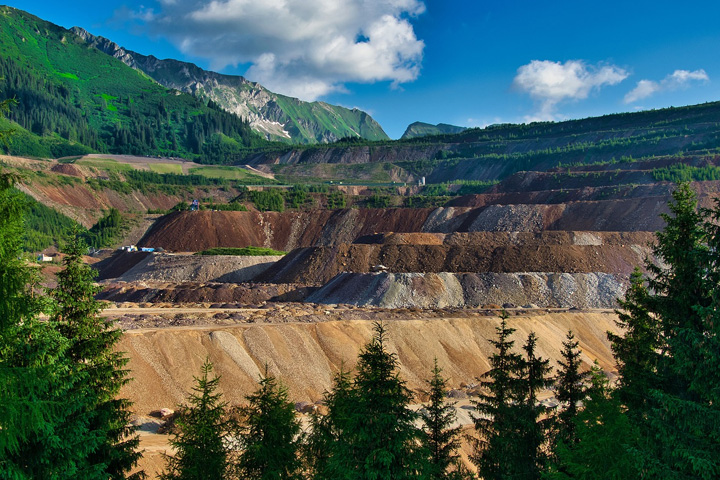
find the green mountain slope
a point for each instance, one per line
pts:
(420, 129)
(72, 98)
(274, 116)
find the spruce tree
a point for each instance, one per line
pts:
(604, 439)
(441, 439)
(35, 382)
(636, 351)
(110, 445)
(381, 428)
(511, 428)
(532, 429)
(269, 435)
(569, 390)
(201, 442)
(683, 425)
(670, 349)
(327, 445)
(495, 449)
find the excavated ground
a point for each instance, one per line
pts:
(171, 268)
(431, 290)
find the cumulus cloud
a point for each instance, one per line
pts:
(550, 83)
(303, 48)
(676, 80)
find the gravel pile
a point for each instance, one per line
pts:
(439, 290)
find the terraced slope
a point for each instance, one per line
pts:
(496, 252)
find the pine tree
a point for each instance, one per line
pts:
(496, 425)
(380, 428)
(201, 442)
(569, 390)
(269, 435)
(441, 439)
(110, 445)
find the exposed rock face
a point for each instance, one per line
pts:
(276, 117)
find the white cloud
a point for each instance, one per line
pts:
(676, 80)
(550, 83)
(304, 48)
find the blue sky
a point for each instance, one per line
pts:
(469, 63)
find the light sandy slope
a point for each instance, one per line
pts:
(305, 356)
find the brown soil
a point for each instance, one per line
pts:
(195, 231)
(501, 252)
(68, 169)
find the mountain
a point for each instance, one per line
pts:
(420, 129)
(274, 116)
(73, 99)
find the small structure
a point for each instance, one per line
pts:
(44, 258)
(195, 205)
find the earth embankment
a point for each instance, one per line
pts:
(195, 231)
(196, 268)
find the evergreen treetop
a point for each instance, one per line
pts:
(201, 442)
(441, 440)
(269, 435)
(111, 445)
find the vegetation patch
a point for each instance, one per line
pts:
(244, 251)
(166, 168)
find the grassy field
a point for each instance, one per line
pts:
(105, 164)
(166, 168)
(229, 173)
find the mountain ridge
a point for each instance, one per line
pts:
(275, 116)
(422, 129)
